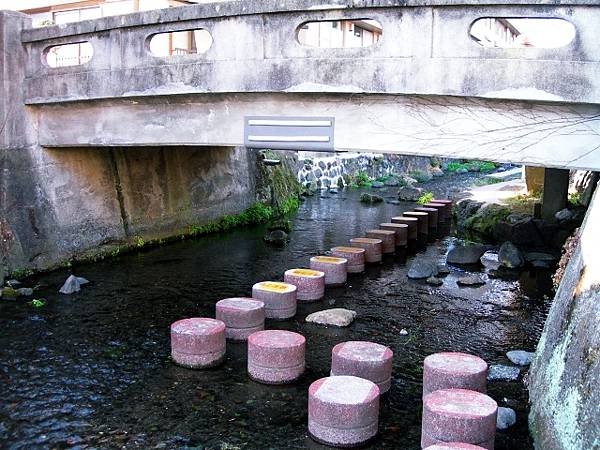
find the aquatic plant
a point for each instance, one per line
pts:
(38, 302)
(425, 198)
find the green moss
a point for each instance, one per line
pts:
(420, 176)
(485, 181)
(20, 273)
(574, 198)
(486, 219)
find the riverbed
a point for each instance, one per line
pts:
(92, 370)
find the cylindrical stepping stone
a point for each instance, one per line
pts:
(354, 255)
(427, 442)
(449, 204)
(413, 230)
(441, 209)
(334, 268)
(401, 231)
(279, 298)
(388, 239)
(432, 221)
(454, 446)
(343, 411)
(365, 360)
(372, 248)
(454, 370)
(310, 284)
(198, 342)
(422, 225)
(276, 356)
(242, 316)
(458, 415)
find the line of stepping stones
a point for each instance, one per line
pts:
(343, 409)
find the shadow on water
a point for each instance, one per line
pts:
(93, 369)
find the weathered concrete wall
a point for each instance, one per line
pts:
(564, 377)
(56, 204)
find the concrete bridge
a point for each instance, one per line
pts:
(425, 88)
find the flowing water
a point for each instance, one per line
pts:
(92, 370)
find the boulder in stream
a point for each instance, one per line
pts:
(498, 372)
(510, 256)
(72, 284)
(471, 280)
(520, 357)
(409, 193)
(420, 269)
(506, 418)
(466, 254)
(338, 317)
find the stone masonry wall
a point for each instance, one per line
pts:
(324, 170)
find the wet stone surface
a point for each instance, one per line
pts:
(93, 369)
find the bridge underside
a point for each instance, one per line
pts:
(545, 134)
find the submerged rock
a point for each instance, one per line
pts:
(8, 293)
(442, 270)
(338, 317)
(276, 237)
(434, 281)
(510, 256)
(25, 292)
(520, 357)
(420, 269)
(392, 181)
(72, 284)
(466, 254)
(506, 418)
(470, 280)
(499, 372)
(370, 198)
(377, 184)
(409, 193)
(563, 215)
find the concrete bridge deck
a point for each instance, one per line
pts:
(425, 88)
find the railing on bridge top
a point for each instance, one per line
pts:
(430, 82)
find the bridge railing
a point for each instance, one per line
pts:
(425, 49)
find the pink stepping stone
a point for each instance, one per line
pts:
(372, 248)
(276, 356)
(388, 239)
(335, 269)
(242, 316)
(453, 370)
(448, 203)
(412, 224)
(458, 415)
(363, 359)
(453, 446)
(432, 221)
(310, 284)
(441, 209)
(343, 411)
(400, 230)
(423, 220)
(354, 255)
(279, 298)
(198, 342)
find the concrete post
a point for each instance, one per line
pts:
(556, 190)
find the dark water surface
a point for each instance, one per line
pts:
(92, 370)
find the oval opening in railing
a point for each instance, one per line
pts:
(350, 33)
(522, 32)
(67, 55)
(178, 43)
